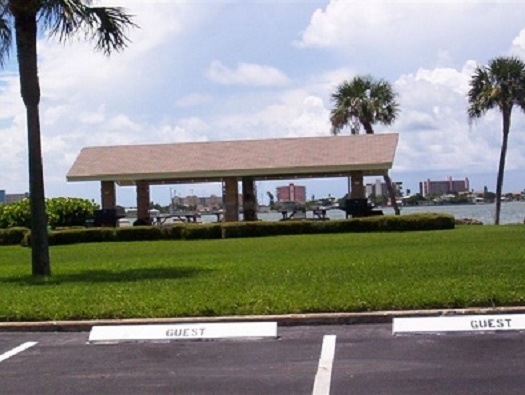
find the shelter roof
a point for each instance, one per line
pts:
(304, 157)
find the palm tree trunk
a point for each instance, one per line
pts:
(501, 170)
(26, 35)
(368, 127)
(390, 189)
(391, 193)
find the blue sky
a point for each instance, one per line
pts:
(225, 70)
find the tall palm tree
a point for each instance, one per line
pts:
(61, 18)
(499, 85)
(365, 101)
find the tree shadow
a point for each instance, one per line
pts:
(108, 276)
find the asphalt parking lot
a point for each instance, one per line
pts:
(366, 359)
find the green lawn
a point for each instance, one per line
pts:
(468, 266)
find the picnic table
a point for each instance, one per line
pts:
(317, 214)
(320, 213)
(183, 216)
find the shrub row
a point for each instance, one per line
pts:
(60, 211)
(370, 224)
(12, 236)
(250, 229)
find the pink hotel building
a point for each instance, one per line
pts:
(291, 193)
(443, 187)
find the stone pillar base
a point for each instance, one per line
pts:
(358, 188)
(108, 196)
(231, 199)
(143, 203)
(249, 199)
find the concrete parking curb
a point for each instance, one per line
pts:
(378, 317)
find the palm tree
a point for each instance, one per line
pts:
(500, 85)
(61, 18)
(365, 101)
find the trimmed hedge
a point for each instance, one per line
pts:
(94, 235)
(138, 233)
(403, 223)
(413, 222)
(260, 229)
(12, 236)
(203, 231)
(73, 236)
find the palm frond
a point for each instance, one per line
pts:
(500, 84)
(338, 118)
(365, 101)
(63, 18)
(6, 37)
(107, 26)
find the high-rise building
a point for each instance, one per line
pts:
(444, 187)
(379, 189)
(212, 202)
(8, 198)
(291, 193)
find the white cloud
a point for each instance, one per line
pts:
(387, 38)
(447, 78)
(187, 130)
(312, 119)
(387, 22)
(84, 95)
(13, 160)
(246, 74)
(518, 45)
(75, 66)
(326, 82)
(10, 100)
(293, 113)
(194, 99)
(95, 117)
(134, 3)
(434, 129)
(344, 20)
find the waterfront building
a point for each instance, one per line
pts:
(291, 193)
(377, 192)
(8, 198)
(439, 188)
(378, 188)
(200, 203)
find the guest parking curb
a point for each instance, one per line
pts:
(378, 317)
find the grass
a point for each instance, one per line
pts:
(468, 266)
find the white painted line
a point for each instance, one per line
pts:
(324, 371)
(465, 323)
(169, 332)
(16, 350)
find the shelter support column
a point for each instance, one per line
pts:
(249, 199)
(231, 199)
(358, 188)
(143, 202)
(108, 195)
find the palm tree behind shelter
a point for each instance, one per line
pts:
(62, 18)
(363, 102)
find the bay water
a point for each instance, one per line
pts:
(511, 212)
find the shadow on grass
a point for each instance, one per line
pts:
(107, 276)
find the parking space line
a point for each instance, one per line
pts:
(324, 371)
(16, 350)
